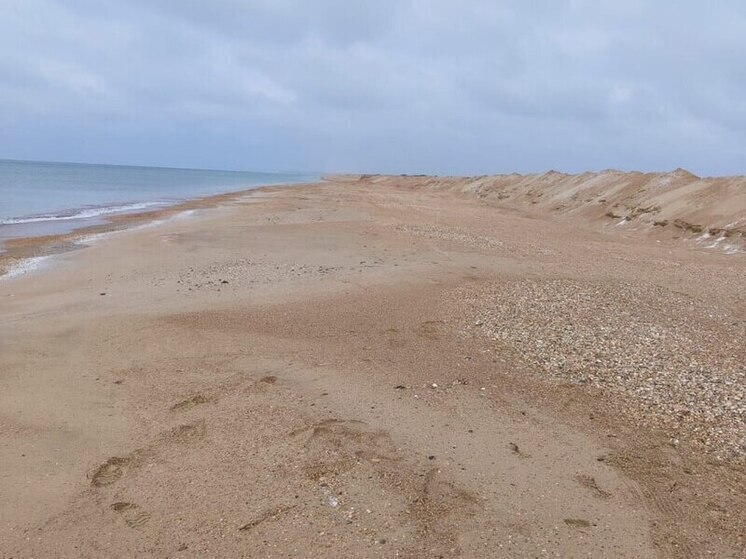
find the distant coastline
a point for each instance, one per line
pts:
(22, 254)
(41, 198)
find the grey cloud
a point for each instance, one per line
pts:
(391, 86)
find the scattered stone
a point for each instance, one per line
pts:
(682, 372)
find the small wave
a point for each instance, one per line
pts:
(85, 213)
(25, 266)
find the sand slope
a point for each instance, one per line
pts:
(676, 204)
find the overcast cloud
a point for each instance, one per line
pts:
(465, 87)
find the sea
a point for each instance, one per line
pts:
(44, 198)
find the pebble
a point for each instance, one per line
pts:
(676, 363)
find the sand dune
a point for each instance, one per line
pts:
(663, 205)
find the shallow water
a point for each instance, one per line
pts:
(41, 198)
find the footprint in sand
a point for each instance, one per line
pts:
(578, 523)
(190, 403)
(333, 446)
(133, 516)
(590, 483)
(188, 432)
(262, 385)
(114, 468)
(440, 496)
(431, 329)
(109, 472)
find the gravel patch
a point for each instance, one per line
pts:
(680, 364)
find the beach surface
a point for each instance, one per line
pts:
(383, 367)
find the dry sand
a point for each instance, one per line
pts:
(382, 367)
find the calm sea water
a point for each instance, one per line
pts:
(40, 198)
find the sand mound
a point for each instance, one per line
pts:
(675, 204)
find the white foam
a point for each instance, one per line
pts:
(25, 266)
(34, 263)
(88, 240)
(85, 213)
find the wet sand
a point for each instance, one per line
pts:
(338, 370)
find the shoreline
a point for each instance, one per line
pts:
(16, 251)
(507, 191)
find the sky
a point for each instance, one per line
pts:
(390, 86)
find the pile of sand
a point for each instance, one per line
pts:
(676, 204)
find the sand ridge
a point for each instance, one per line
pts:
(678, 204)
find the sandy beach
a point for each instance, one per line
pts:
(384, 367)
